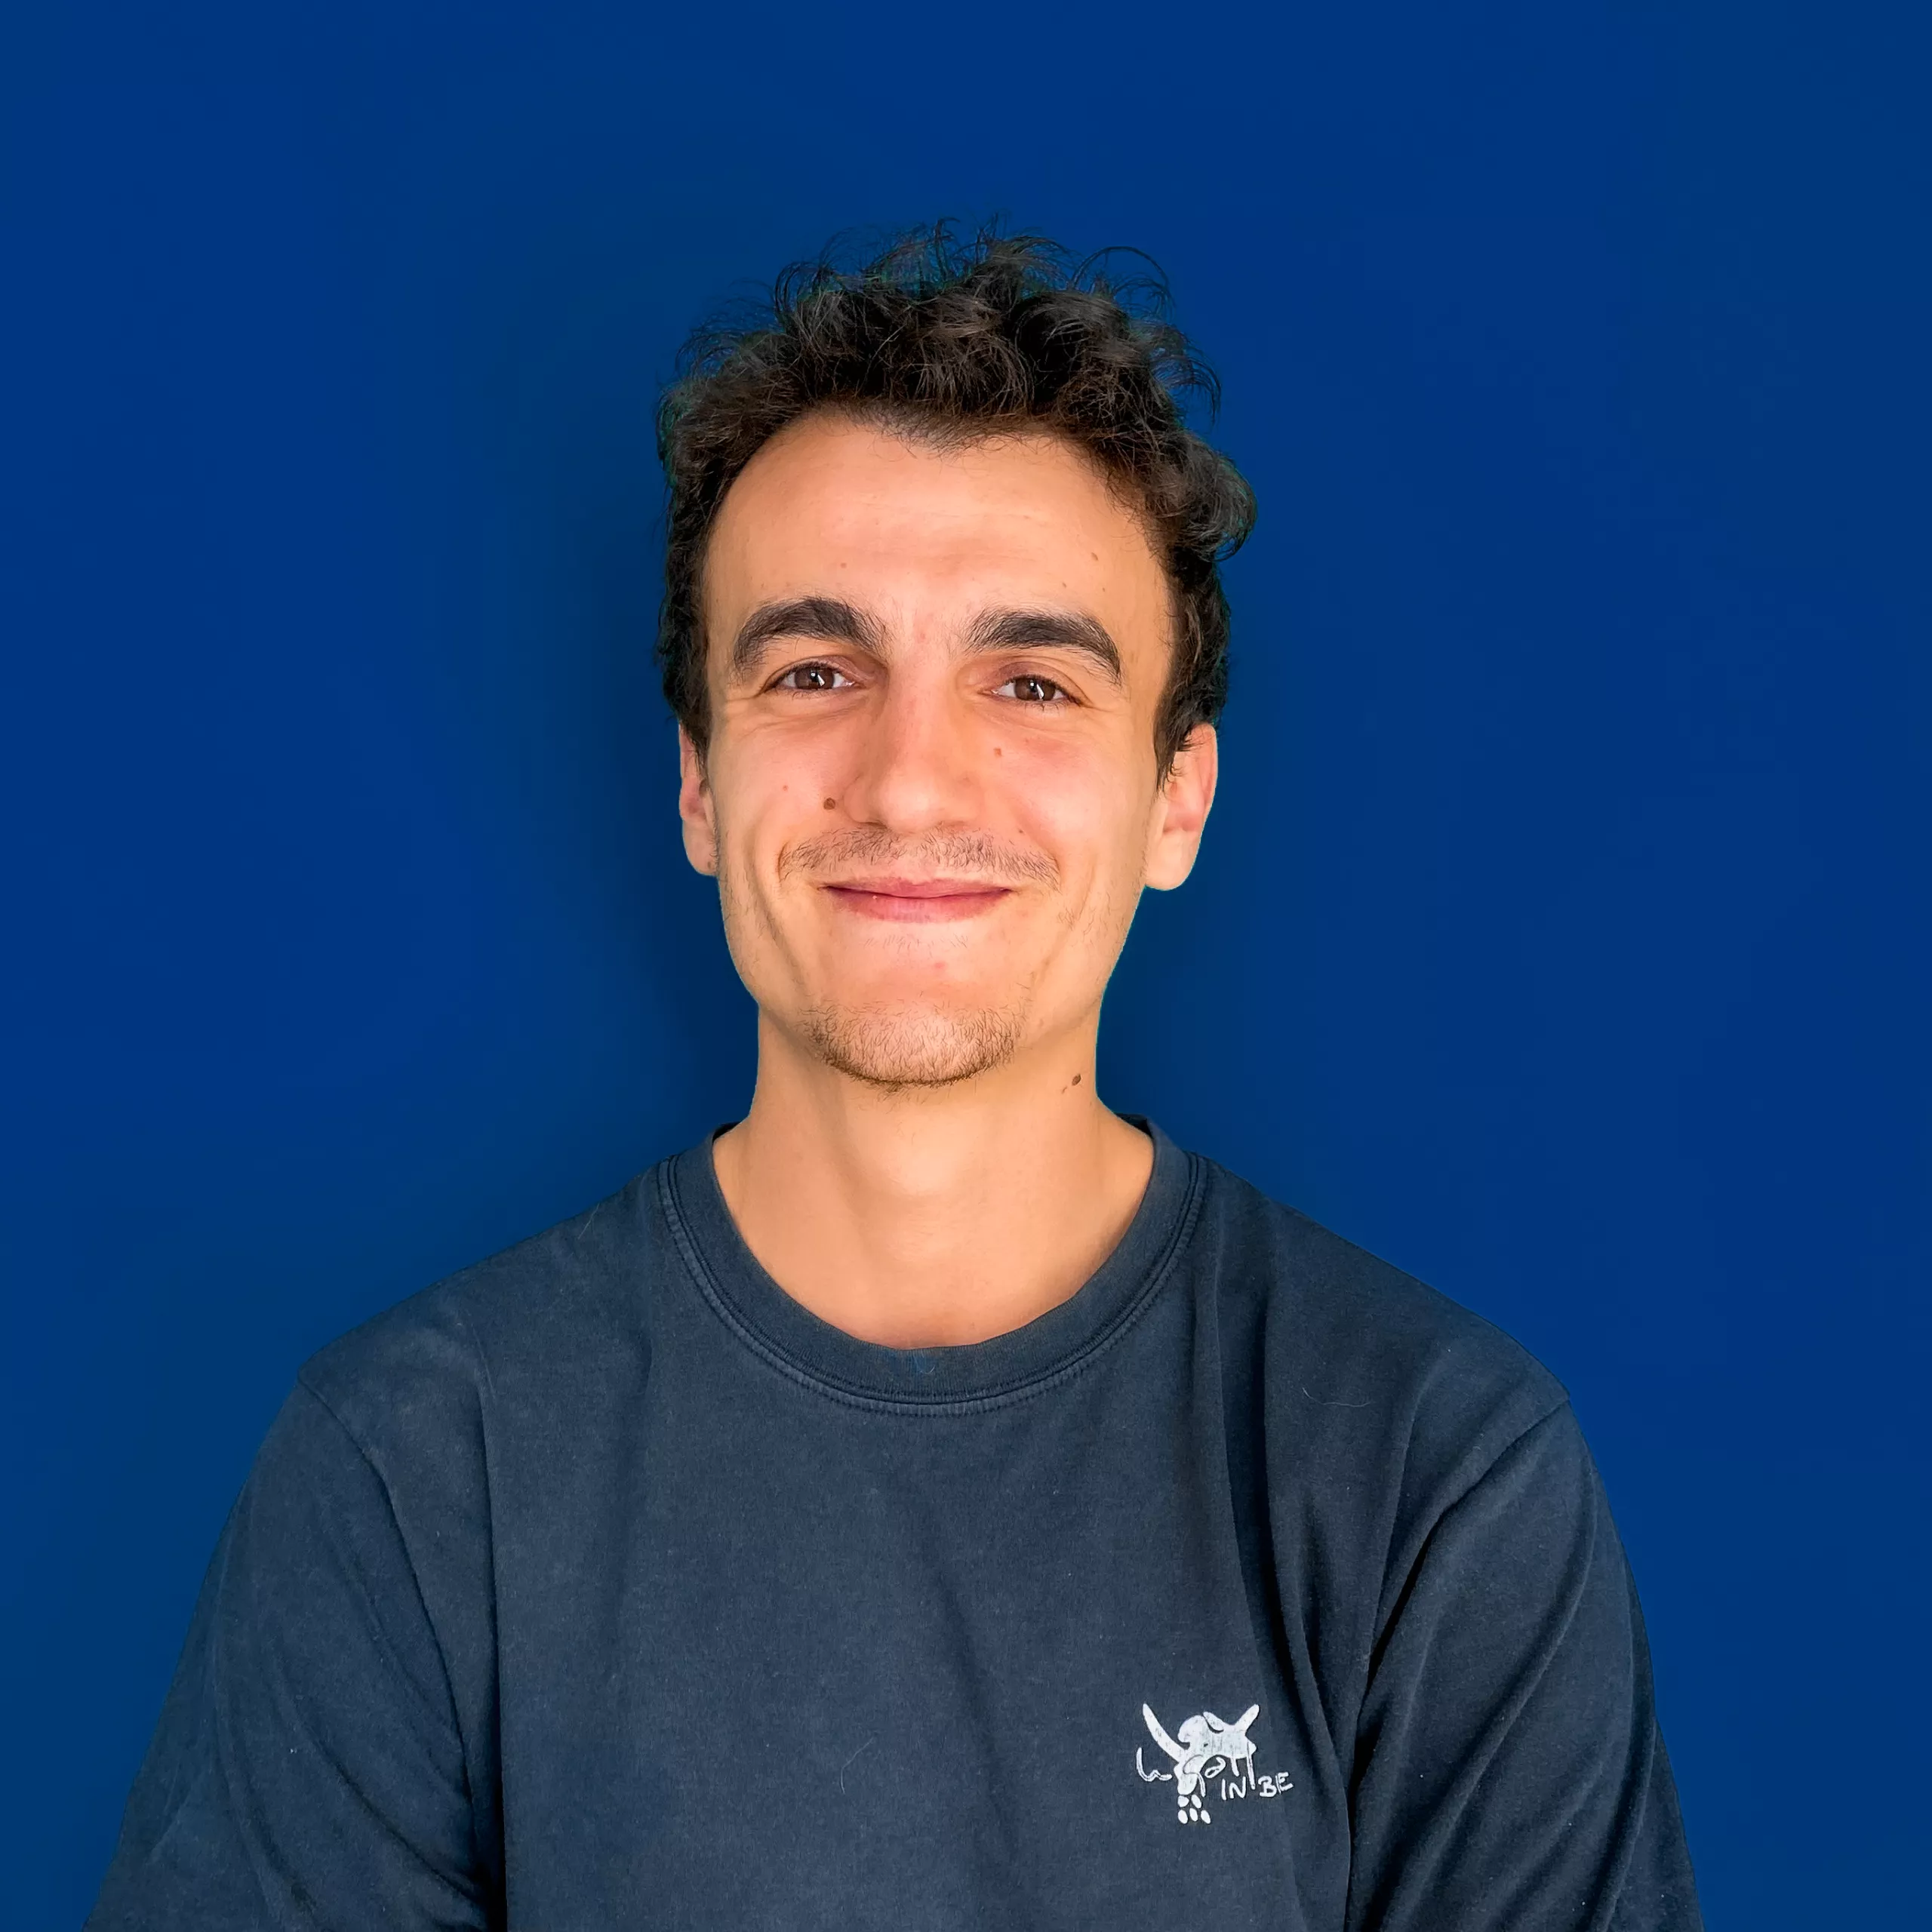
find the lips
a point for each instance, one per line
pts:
(917, 900)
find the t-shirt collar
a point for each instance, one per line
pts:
(1048, 1349)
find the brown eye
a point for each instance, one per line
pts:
(811, 678)
(1031, 689)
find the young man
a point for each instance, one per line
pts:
(935, 1501)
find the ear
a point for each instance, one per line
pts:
(695, 807)
(1180, 811)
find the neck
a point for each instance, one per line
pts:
(931, 1217)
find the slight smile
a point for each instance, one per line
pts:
(917, 899)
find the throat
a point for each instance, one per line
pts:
(935, 1221)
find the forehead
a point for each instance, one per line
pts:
(837, 506)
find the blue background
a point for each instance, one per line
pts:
(1562, 932)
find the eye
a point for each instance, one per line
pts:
(813, 677)
(1029, 688)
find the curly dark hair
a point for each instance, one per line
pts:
(950, 338)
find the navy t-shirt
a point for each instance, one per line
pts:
(603, 1586)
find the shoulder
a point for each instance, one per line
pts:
(1364, 1369)
(422, 1380)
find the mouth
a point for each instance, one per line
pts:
(917, 900)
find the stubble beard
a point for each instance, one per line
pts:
(907, 1044)
(899, 1047)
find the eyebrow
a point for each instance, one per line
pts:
(1069, 630)
(829, 619)
(832, 620)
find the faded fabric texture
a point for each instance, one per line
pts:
(603, 1586)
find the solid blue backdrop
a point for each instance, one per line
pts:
(1561, 929)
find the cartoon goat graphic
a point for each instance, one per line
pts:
(1203, 1739)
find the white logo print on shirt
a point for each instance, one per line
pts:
(1210, 1753)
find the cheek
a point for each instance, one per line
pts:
(763, 804)
(772, 783)
(1078, 799)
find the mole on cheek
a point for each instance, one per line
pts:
(830, 803)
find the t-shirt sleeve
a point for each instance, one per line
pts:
(1508, 1772)
(309, 1769)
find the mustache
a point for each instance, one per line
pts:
(870, 848)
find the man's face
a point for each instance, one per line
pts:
(930, 795)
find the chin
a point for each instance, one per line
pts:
(901, 1044)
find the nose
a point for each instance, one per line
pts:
(918, 765)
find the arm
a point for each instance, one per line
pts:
(309, 1769)
(1509, 1769)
